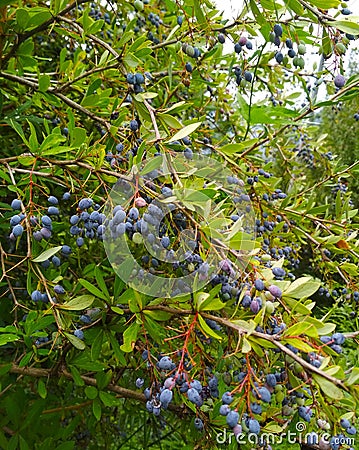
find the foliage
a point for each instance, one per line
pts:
(124, 126)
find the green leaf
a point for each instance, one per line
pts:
(302, 287)
(6, 338)
(158, 316)
(117, 310)
(78, 303)
(246, 346)
(97, 345)
(170, 121)
(96, 409)
(353, 377)
(328, 388)
(47, 254)
(91, 392)
(186, 131)
(22, 17)
(41, 389)
(325, 4)
(93, 289)
(75, 341)
(230, 149)
(346, 26)
(131, 60)
(76, 376)
(108, 400)
(44, 83)
(295, 6)
(130, 337)
(211, 304)
(198, 12)
(302, 328)
(207, 330)
(299, 344)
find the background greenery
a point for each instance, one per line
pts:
(66, 104)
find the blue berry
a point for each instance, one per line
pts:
(46, 221)
(79, 334)
(18, 230)
(165, 241)
(232, 418)
(53, 211)
(253, 426)
(14, 220)
(134, 125)
(194, 397)
(224, 410)
(198, 424)
(16, 204)
(166, 397)
(195, 384)
(58, 289)
(227, 398)
(66, 250)
(36, 296)
(53, 200)
(85, 203)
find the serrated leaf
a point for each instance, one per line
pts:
(78, 303)
(186, 131)
(47, 254)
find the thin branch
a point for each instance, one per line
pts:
(120, 391)
(23, 37)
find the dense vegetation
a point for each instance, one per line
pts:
(179, 256)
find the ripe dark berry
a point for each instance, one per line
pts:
(58, 289)
(232, 418)
(248, 76)
(238, 48)
(18, 230)
(53, 200)
(339, 81)
(198, 424)
(221, 38)
(134, 125)
(16, 204)
(79, 334)
(189, 67)
(278, 30)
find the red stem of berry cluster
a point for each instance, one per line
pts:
(185, 345)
